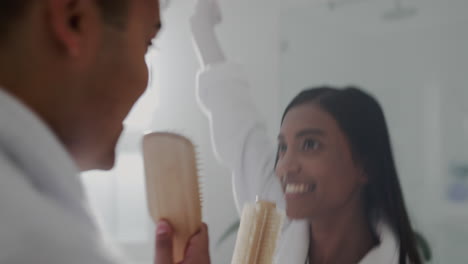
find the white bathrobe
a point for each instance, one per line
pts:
(44, 216)
(241, 143)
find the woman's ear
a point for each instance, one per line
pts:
(363, 175)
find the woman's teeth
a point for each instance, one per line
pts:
(297, 188)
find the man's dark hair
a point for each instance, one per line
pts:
(114, 13)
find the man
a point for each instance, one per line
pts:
(70, 71)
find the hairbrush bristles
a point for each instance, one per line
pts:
(172, 185)
(258, 234)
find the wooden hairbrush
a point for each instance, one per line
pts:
(172, 185)
(258, 234)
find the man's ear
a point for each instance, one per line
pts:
(72, 23)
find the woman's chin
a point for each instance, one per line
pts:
(296, 214)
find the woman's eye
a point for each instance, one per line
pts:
(310, 144)
(282, 148)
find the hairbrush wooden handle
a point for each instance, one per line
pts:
(258, 234)
(172, 185)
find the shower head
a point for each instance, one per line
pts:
(399, 12)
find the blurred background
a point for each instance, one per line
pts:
(411, 54)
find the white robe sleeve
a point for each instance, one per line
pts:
(238, 133)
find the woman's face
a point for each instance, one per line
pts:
(315, 164)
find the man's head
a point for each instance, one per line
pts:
(79, 64)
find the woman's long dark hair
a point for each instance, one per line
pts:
(361, 118)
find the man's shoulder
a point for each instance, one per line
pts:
(36, 228)
(11, 175)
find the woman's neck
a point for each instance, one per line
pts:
(343, 238)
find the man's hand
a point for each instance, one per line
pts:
(197, 249)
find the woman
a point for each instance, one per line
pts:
(335, 173)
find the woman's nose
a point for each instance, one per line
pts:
(288, 166)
